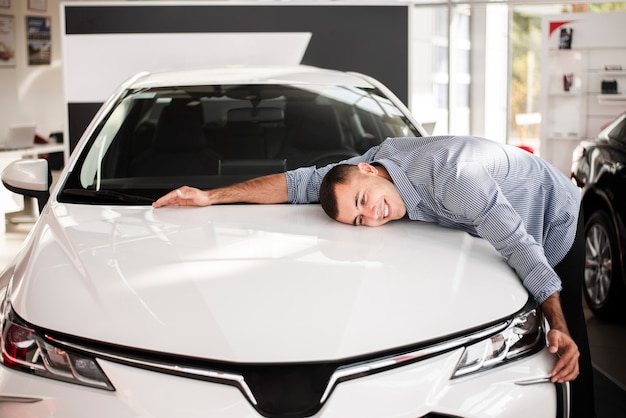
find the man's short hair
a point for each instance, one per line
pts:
(339, 174)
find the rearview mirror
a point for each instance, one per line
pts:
(29, 177)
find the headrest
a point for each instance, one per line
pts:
(260, 114)
(180, 128)
(319, 129)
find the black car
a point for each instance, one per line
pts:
(599, 169)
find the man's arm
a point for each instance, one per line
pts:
(294, 186)
(476, 196)
(266, 189)
(560, 342)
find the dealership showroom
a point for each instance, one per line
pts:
(179, 240)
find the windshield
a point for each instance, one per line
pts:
(618, 132)
(211, 136)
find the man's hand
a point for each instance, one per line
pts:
(267, 189)
(184, 196)
(560, 342)
(566, 368)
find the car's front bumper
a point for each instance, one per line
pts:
(517, 389)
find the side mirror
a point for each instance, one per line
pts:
(29, 177)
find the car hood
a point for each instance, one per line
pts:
(255, 283)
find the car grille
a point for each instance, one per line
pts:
(275, 390)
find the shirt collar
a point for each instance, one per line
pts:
(406, 189)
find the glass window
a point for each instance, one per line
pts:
(619, 132)
(210, 136)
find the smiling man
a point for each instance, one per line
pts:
(376, 199)
(526, 208)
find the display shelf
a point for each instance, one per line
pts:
(612, 98)
(574, 86)
(578, 94)
(573, 139)
(617, 73)
(566, 94)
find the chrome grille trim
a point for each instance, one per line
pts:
(18, 399)
(229, 378)
(349, 372)
(379, 365)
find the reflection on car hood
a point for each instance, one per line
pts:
(255, 283)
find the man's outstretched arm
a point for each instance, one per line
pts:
(266, 189)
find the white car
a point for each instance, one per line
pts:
(115, 309)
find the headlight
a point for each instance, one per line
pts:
(524, 336)
(25, 350)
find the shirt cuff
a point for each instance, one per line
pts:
(542, 283)
(299, 185)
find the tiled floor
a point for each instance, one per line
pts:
(607, 342)
(11, 241)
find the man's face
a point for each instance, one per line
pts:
(368, 198)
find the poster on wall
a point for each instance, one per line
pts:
(38, 5)
(38, 40)
(7, 40)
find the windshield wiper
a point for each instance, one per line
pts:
(103, 196)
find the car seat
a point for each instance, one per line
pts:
(178, 146)
(316, 138)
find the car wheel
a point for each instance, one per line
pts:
(603, 286)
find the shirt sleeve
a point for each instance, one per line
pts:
(303, 184)
(469, 192)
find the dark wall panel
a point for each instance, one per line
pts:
(368, 39)
(79, 116)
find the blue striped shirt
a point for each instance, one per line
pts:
(525, 207)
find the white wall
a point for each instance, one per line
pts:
(32, 93)
(135, 53)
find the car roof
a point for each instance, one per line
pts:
(297, 74)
